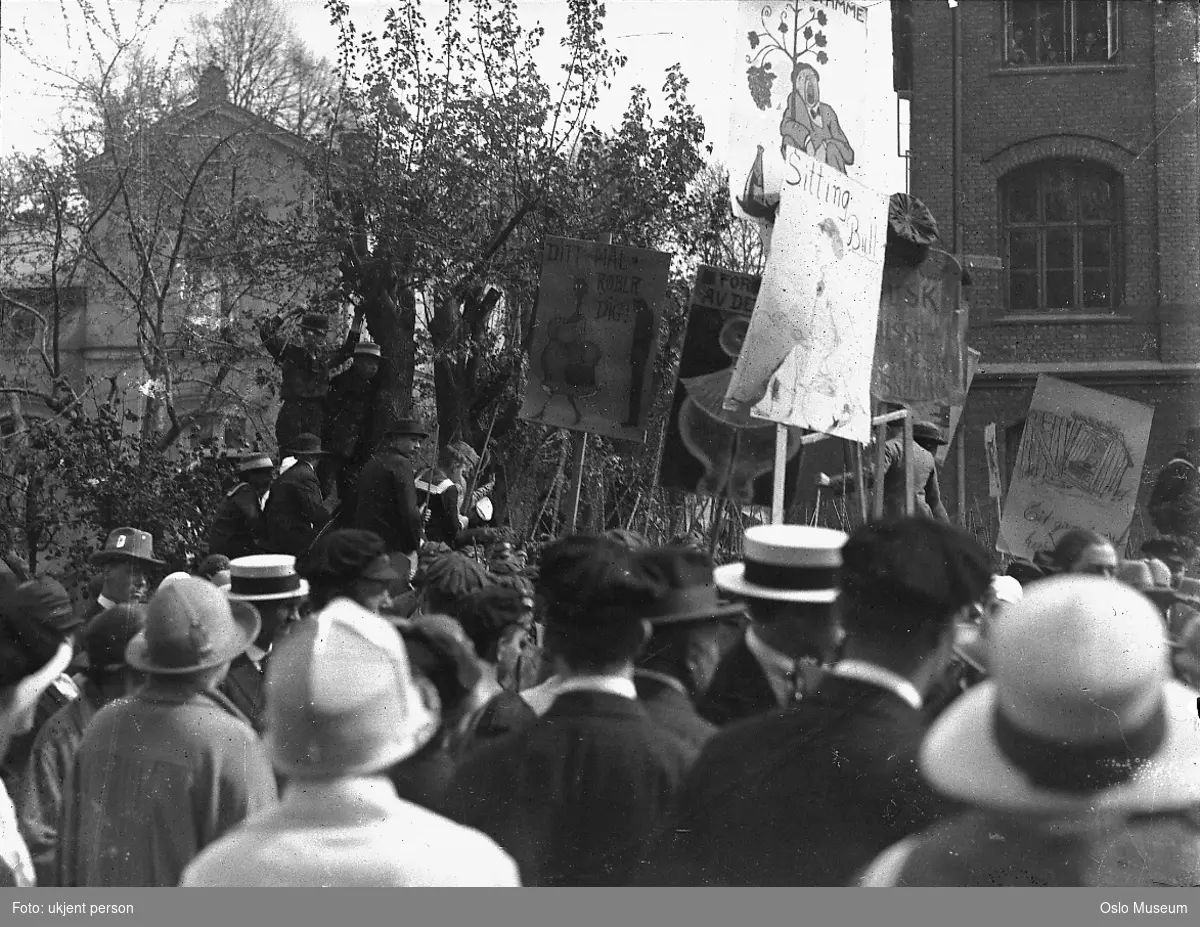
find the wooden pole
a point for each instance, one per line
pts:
(877, 500)
(781, 440)
(909, 484)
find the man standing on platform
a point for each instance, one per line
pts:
(295, 510)
(349, 411)
(238, 529)
(388, 497)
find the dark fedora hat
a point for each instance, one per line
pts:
(190, 626)
(928, 431)
(407, 427)
(687, 591)
(307, 445)
(127, 544)
(315, 322)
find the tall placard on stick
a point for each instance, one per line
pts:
(707, 449)
(1079, 465)
(596, 332)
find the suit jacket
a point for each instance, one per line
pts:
(673, 710)
(243, 685)
(739, 689)
(388, 501)
(574, 798)
(295, 510)
(927, 492)
(807, 795)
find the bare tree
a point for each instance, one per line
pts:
(270, 70)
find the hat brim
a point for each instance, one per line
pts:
(961, 759)
(294, 452)
(29, 690)
(137, 653)
(718, 613)
(732, 578)
(298, 593)
(407, 434)
(101, 557)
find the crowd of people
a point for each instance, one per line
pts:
(371, 706)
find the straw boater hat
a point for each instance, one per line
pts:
(786, 563)
(265, 578)
(255, 462)
(1080, 715)
(190, 627)
(127, 544)
(367, 348)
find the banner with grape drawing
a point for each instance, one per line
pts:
(1079, 465)
(814, 77)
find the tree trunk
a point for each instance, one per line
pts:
(390, 308)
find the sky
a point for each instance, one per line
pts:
(653, 34)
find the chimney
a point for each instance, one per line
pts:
(212, 88)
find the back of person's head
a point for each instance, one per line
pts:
(595, 591)
(450, 578)
(337, 561)
(905, 579)
(487, 615)
(211, 565)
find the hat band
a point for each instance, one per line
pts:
(265, 585)
(775, 576)
(1080, 768)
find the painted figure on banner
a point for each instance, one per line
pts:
(811, 125)
(708, 449)
(570, 357)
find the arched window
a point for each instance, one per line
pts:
(1061, 235)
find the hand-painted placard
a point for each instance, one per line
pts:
(595, 337)
(1078, 466)
(808, 352)
(708, 450)
(920, 347)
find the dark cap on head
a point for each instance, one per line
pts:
(344, 556)
(38, 618)
(108, 635)
(914, 562)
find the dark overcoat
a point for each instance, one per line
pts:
(295, 510)
(739, 689)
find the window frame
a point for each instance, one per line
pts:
(1041, 171)
(1111, 41)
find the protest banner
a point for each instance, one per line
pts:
(1078, 465)
(808, 352)
(708, 450)
(920, 346)
(596, 330)
(813, 76)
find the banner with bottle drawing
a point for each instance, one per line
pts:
(813, 76)
(808, 353)
(596, 328)
(1079, 465)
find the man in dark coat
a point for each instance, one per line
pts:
(1174, 503)
(295, 511)
(305, 368)
(441, 491)
(812, 795)
(349, 414)
(127, 559)
(387, 496)
(688, 622)
(238, 529)
(575, 797)
(788, 582)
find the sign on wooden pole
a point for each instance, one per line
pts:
(781, 455)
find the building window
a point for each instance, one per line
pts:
(1061, 234)
(18, 327)
(1052, 33)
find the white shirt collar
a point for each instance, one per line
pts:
(870, 673)
(105, 601)
(612, 685)
(780, 669)
(665, 678)
(256, 654)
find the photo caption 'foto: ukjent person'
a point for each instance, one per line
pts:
(63, 909)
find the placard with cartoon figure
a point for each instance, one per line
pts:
(596, 330)
(708, 450)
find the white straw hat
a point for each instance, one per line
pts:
(789, 563)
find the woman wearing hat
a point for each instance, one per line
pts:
(106, 678)
(342, 708)
(1078, 758)
(20, 689)
(160, 775)
(238, 529)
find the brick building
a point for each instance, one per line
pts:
(1058, 141)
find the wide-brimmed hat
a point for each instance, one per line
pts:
(786, 563)
(306, 445)
(406, 428)
(340, 697)
(315, 322)
(127, 544)
(1152, 578)
(688, 593)
(367, 349)
(28, 689)
(929, 431)
(265, 578)
(255, 462)
(106, 637)
(189, 627)
(1080, 714)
